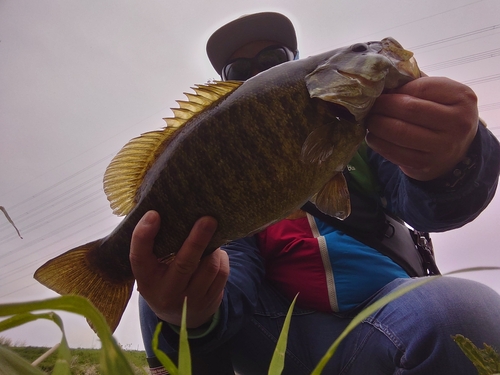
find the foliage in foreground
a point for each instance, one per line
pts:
(486, 361)
(112, 359)
(84, 361)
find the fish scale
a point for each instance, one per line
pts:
(248, 154)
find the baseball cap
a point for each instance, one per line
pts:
(249, 28)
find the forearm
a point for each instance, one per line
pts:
(447, 202)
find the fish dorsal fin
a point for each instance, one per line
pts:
(205, 95)
(125, 173)
(333, 198)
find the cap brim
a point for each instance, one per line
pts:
(249, 28)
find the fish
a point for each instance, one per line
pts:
(246, 153)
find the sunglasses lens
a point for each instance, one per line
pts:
(244, 68)
(271, 57)
(238, 70)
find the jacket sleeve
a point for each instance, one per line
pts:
(450, 201)
(240, 297)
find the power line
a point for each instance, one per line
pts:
(415, 21)
(476, 81)
(26, 266)
(48, 204)
(455, 37)
(462, 60)
(489, 107)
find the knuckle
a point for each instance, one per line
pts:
(468, 95)
(185, 266)
(212, 264)
(411, 104)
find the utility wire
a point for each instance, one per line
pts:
(462, 60)
(455, 37)
(476, 81)
(489, 107)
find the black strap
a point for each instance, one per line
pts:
(423, 243)
(389, 236)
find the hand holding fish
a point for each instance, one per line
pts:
(425, 126)
(164, 286)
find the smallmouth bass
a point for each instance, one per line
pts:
(249, 154)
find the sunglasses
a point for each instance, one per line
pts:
(242, 69)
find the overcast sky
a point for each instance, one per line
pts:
(78, 79)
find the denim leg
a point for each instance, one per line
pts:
(411, 335)
(310, 335)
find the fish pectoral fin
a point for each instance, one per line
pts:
(70, 273)
(333, 198)
(318, 145)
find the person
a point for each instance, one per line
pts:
(434, 165)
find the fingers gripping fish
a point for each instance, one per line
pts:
(249, 154)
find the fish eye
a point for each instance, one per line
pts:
(359, 47)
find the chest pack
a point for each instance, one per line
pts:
(372, 225)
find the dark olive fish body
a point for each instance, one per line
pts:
(250, 157)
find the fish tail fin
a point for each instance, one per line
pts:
(74, 273)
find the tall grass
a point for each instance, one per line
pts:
(112, 359)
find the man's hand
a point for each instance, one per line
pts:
(164, 287)
(425, 126)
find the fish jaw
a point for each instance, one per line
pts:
(355, 76)
(404, 66)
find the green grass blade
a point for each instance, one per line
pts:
(13, 364)
(62, 365)
(278, 361)
(112, 358)
(365, 314)
(184, 352)
(162, 357)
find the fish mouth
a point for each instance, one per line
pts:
(355, 76)
(365, 81)
(342, 111)
(401, 59)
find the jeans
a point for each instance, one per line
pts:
(411, 335)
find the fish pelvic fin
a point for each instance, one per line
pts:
(333, 198)
(126, 172)
(71, 273)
